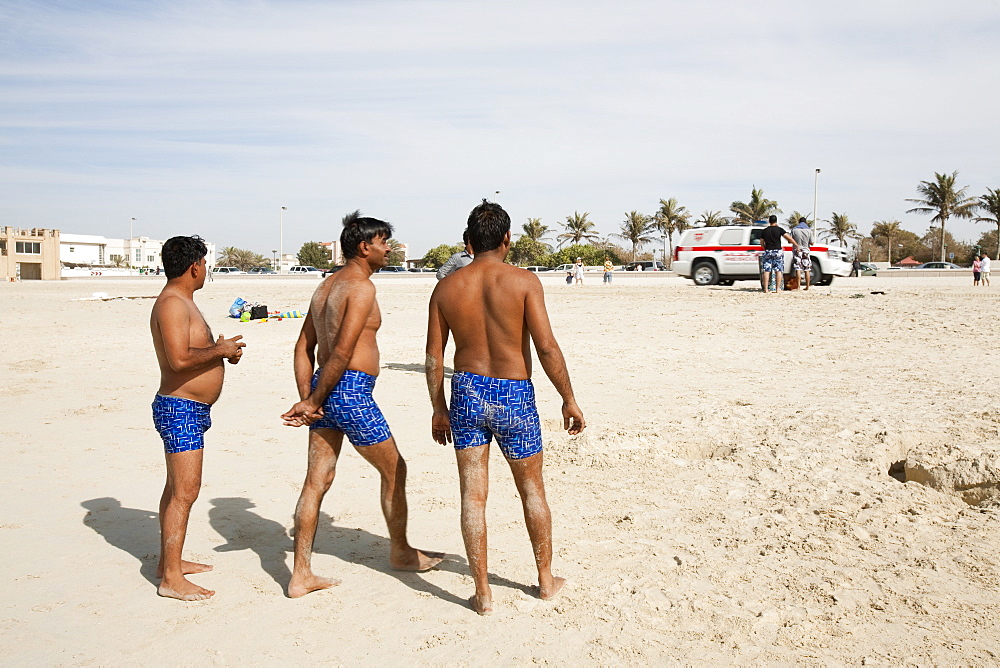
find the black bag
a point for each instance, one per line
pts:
(258, 312)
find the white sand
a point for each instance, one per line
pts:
(729, 502)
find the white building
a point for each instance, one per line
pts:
(96, 251)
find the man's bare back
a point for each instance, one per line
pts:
(327, 310)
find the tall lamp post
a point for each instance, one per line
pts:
(281, 235)
(130, 223)
(274, 263)
(815, 197)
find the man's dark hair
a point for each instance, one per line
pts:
(772, 219)
(488, 223)
(358, 228)
(179, 253)
(465, 236)
(802, 220)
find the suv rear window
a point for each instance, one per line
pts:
(731, 238)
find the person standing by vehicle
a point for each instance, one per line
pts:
(984, 269)
(856, 268)
(608, 271)
(772, 260)
(977, 267)
(801, 262)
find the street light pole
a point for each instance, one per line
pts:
(130, 223)
(815, 197)
(281, 235)
(274, 263)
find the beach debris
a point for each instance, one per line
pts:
(878, 292)
(104, 297)
(857, 296)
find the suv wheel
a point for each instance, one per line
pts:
(816, 276)
(705, 273)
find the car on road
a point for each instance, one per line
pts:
(645, 265)
(722, 255)
(537, 268)
(224, 271)
(333, 270)
(391, 270)
(937, 265)
(304, 270)
(261, 270)
(868, 269)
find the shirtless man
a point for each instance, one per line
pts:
(191, 374)
(338, 336)
(494, 310)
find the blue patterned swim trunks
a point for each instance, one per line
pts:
(773, 260)
(350, 408)
(483, 407)
(181, 422)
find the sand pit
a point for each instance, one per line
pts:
(730, 501)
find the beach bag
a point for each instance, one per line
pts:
(258, 312)
(236, 310)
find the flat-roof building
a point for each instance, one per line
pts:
(29, 254)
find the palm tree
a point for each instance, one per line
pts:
(793, 218)
(669, 219)
(758, 208)
(942, 199)
(712, 219)
(638, 228)
(534, 230)
(887, 229)
(840, 228)
(578, 229)
(396, 254)
(990, 203)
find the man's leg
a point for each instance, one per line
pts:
(778, 277)
(179, 494)
(474, 484)
(324, 449)
(808, 278)
(765, 281)
(528, 479)
(386, 459)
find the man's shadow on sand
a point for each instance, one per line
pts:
(131, 530)
(246, 530)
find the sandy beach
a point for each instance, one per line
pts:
(729, 502)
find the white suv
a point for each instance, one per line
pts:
(722, 255)
(304, 270)
(226, 270)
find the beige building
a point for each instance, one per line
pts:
(29, 254)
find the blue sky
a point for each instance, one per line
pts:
(207, 117)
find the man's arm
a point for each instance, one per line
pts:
(792, 239)
(305, 357)
(449, 266)
(357, 309)
(437, 339)
(550, 356)
(173, 318)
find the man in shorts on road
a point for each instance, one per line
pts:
(493, 309)
(773, 259)
(338, 339)
(801, 262)
(191, 375)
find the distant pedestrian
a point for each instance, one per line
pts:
(801, 262)
(578, 271)
(773, 260)
(977, 268)
(608, 271)
(856, 268)
(458, 260)
(984, 270)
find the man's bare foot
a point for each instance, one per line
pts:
(483, 605)
(552, 590)
(416, 560)
(187, 568)
(300, 586)
(184, 590)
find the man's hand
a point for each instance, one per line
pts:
(441, 427)
(230, 348)
(573, 421)
(302, 414)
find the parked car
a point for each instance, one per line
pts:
(304, 270)
(261, 270)
(219, 271)
(722, 255)
(645, 265)
(937, 265)
(537, 268)
(333, 270)
(389, 270)
(868, 269)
